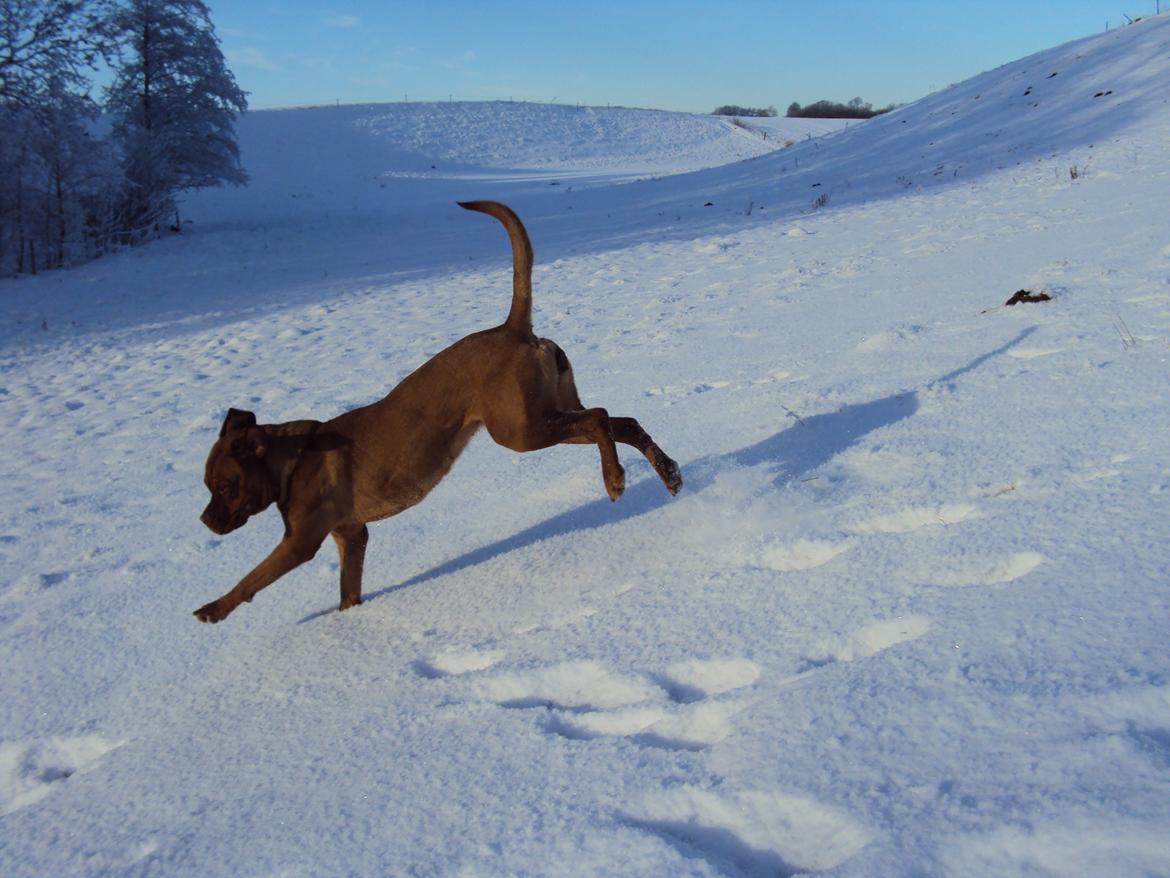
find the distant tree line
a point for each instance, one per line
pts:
(71, 188)
(733, 110)
(855, 109)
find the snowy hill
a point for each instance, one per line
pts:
(364, 159)
(908, 615)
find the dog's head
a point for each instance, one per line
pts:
(236, 474)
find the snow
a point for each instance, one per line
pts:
(908, 615)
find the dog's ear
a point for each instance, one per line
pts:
(253, 445)
(237, 419)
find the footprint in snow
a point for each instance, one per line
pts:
(1032, 353)
(802, 554)
(1103, 472)
(571, 686)
(697, 679)
(987, 571)
(866, 641)
(30, 772)
(771, 377)
(455, 662)
(696, 727)
(587, 701)
(755, 832)
(687, 390)
(916, 518)
(892, 339)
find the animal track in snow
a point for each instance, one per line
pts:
(688, 390)
(558, 618)
(802, 554)
(772, 377)
(895, 338)
(30, 772)
(570, 686)
(455, 662)
(602, 723)
(990, 571)
(1031, 353)
(755, 832)
(693, 728)
(868, 640)
(1153, 742)
(884, 466)
(1154, 297)
(1097, 475)
(697, 725)
(1074, 844)
(693, 680)
(1108, 471)
(589, 702)
(915, 518)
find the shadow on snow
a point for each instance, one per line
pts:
(791, 453)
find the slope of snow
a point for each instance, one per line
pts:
(908, 615)
(365, 156)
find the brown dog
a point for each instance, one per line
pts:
(332, 478)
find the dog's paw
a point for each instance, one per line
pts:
(348, 603)
(672, 478)
(667, 470)
(615, 483)
(211, 613)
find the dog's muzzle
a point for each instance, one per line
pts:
(223, 524)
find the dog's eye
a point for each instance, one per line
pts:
(228, 490)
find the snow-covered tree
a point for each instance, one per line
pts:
(174, 103)
(45, 42)
(47, 157)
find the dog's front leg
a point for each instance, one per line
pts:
(293, 551)
(351, 548)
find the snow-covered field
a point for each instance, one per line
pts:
(910, 614)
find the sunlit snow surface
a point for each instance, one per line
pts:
(908, 616)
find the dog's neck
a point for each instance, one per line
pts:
(285, 444)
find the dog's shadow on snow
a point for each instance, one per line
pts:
(795, 451)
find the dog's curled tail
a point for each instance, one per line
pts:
(520, 316)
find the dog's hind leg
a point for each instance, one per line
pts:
(629, 432)
(578, 427)
(625, 430)
(351, 548)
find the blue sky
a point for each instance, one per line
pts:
(677, 55)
